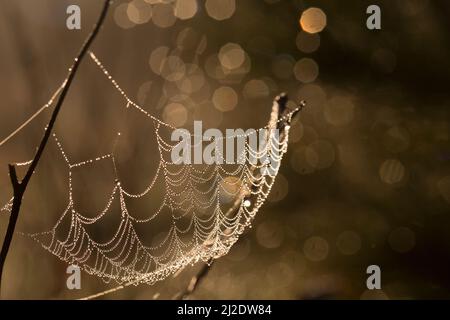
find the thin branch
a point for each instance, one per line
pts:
(195, 281)
(13, 176)
(19, 188)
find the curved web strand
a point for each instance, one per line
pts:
(205, 208)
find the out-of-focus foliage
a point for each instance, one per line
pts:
(367, 177)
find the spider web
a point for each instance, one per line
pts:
(205, 208)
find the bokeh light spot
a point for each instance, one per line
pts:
(225, 99)
(163, 15)
(175, 114)
(186, 9)
(306, 70)
(307, 42)
(220, 9)
(270, 234)
(392, 171)
(313, 20)
(339, 111)
(231, 56)
(316, 248)
(348, 242)
(139, 11)
(402, 239)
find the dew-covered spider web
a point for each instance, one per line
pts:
(201, 208)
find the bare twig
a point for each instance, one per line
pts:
(19, 187)
(194, 282)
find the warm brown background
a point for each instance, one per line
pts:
(367, 177)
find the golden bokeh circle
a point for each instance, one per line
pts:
(225, 99)
(175, 114)
(313, 20)
(316, 249)
(220, 9)
(392, 171)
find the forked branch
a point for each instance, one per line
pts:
(19, 187)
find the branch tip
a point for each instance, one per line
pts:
(302, 104)
(13, 176)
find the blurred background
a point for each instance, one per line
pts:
(367, 176)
